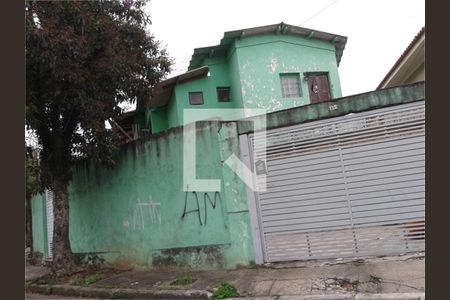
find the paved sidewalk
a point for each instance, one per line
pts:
(400, 277)
(35, 272)
(389, 275)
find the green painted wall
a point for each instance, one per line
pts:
(261, 59)
(134, 212)
(172, 112)
(233, 67)
(218, 77)
(39, 225)
(111, 210)
(159, 119)
(252, 68)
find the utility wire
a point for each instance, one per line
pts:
(320, 11)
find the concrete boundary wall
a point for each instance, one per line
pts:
(138, 215)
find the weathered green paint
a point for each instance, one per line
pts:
(104, 204)
(218, 70)
(252, 68)
(39, 225)
(263, 58)
(159, 119)
(105, 214)
(342, 106)
(233, 67)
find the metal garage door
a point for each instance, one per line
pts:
(345, 187)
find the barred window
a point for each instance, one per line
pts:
(290, 85)
(223, 94)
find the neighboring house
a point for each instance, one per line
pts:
(274, 67)
(410, 67)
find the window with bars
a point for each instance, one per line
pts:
(290, 85)
(223, 94)
(196, 98)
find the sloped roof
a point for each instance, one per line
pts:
(200, 54)
(405, 53)
(163, 90)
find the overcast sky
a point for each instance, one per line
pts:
(378, 31)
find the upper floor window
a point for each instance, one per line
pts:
(223, 94)
(290, 85)
(196, 98)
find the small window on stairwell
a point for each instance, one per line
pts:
(196, 98)
(290, 85)
(223, 94)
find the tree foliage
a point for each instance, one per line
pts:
(84, 58)
(32, 184)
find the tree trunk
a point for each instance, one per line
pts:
(63, 262)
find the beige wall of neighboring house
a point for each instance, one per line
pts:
(410, 67)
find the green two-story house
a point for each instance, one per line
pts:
(274, 67)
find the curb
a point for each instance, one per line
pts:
(347, 296)
(91, 292)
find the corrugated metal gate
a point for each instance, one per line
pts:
(344, 187)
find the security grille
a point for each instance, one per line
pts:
(49, 210)
(345, 187)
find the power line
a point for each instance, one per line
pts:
(320, 11)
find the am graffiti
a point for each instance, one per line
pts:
(196, 198)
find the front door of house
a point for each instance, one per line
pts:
(319, 88)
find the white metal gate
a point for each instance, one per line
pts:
(49, 211)
(344, 187)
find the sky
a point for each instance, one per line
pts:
(378, 31)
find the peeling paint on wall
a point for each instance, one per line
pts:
(269, 56)
(136, 209)
(102, 212)
(273, 65)
(210, 257)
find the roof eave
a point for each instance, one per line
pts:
(419, 36)
(162, 92)
(338, 41)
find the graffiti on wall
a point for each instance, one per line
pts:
(194, 196)
(146, 213)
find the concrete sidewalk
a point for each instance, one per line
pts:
(33, 273)
(403, 274)
(401, 277)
